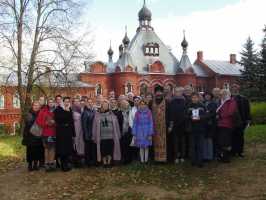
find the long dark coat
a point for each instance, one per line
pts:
(177, 115)
(65, 132)
(28, 138)
(34, 146)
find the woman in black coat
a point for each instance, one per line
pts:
(211, 128)
(34, 146)
(65, 134)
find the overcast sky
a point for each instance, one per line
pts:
(216, 27)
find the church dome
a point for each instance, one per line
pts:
(145, 14)
(184, 43)
(126, 40)
(110, 51)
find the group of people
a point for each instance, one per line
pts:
(167, 126)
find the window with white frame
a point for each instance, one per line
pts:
(147, 50)
(156, 50)
(143, 89)
(128, 88)
(226, 86)
(16, 127)
(2, 101)
(151, 49)
(16, 101)
(98, 89)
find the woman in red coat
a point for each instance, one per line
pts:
(226, 118)
(46, 121)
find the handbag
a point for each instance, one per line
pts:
(36, 130)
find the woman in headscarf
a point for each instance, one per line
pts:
(106, 135)
(126, 137)
(225, 115)
(208, 147)
(79, 145)
(34, 147)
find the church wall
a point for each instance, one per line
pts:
(98, 79)
(222, 80)
(10, 116)
(186, 79)
(121, 79)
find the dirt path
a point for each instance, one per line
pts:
(242, 179)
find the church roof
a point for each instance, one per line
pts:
(110, 66)
(185, 63)
(125, 60)
(224, 67)
(199, 71)
(136, 50)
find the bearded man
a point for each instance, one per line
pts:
(160, 128)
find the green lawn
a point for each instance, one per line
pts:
(241, 179)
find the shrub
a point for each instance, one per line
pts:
(258, 113)
(256, 134)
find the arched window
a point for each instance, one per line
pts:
(143, 89)
(128, 88)
(151, 49)
(98, 89)
(147, 49)
(16, 127)
(156, 50)
(226, 86)
(2, 101)
(78, 96)
(16, 101)
(169, 87)
(33, 98)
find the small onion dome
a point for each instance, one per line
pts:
(184, 44)
(126, 40)
(144, 14)
(110, 51)
(121, 47)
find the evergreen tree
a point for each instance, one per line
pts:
(262, 66)
(249, 80)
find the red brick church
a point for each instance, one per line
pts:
(144, 62)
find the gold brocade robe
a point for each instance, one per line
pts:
(159, 138)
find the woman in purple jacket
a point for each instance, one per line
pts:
(143, 130)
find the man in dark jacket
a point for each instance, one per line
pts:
(243, 106)
(177, 122)
(197, 119)
(87, 123)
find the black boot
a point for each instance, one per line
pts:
(35, 166)
(226, 157)
(65, 165)
(30, 168)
